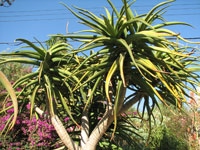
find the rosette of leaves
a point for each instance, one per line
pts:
(49, 87)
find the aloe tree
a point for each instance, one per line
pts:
(131, 61)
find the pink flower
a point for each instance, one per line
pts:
(129, 113)
(66, 119)
(4, 91)
(123, 114)
(40, 144)
(8, 104)
(17, 121)
(25, 121)
(10, 110)
(18, 89)
(69, 130)
(2, 126)
(7, 117)
(28, 106)
(24, 130)
(33, 142)
(57, 145)
(40, 134)
(18, 144)
(11, 144)
(34, 120)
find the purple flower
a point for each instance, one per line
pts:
(57, 145)
(34, 120)
(40, 134)
(46, 125)
(30, 128)
(7, 117)
(10, 110)
(48, 136)
(2, 126)
(18, 89)
(8, 104)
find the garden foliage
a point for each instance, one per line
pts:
(121, 51)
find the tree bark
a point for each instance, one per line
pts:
(90, 143)
(62, 133)
(106, 121)
(99, 130)
(84, 129)
(130, 103)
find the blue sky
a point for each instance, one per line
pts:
(34, 18)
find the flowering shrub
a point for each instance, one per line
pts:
(28, 134)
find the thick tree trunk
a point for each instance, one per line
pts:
(62, 133)
(106, 121)
(60, 129)
(89, 142)
(130, 103)
(84, 129)
(99, 130)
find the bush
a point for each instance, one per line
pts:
(37, 133)
(163, 138)
(14, 71)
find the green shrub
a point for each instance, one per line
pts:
(163, 138)
(14, 71)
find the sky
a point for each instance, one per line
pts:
(31, 19)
